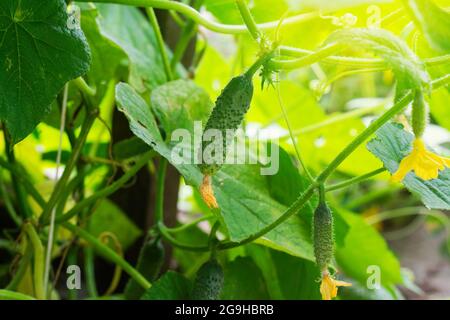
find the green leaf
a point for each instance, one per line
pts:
(39, 53)
(178, 103)
(433, 21)
(171, 286)
(109, 218)
(409, 70)
(365, 247)
(242, 216)
(243, 281)
(391, 145)
(129, 148)
(106, 55)
(129, 29)
(287, 277)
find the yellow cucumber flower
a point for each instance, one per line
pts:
(207, 193)
(424, 163)
(329, 286)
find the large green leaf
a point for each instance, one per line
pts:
(106, 55)
(391, 145)
(433, 21)
(171, 286)
(409, 70)
(365, 247)
(129, 29)
(178, 103)
(243, 215)
(39, 53)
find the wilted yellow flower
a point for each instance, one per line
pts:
(329, 286)
(424, 163)
(207, 193)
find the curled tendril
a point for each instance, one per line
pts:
(104, 237)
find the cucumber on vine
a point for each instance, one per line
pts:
(226, 117)
(323, 235)
(150, 261)
(419, 114)
(209, 281)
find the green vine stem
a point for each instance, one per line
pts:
(293, 209)
(23, 177)
(38, 253)
(311, 58)
(374, 126)
(11, 295)
(354, 62)
(211, 25)
(160, 41)
(355, 180)
(89, 269)
(116, 185)
(160, 182)
(8, 202)
(441, 82)
(189, 225)
(169, 238)
(249, 20)
(72, 185)
(196, 16)
(59, 187)
(189, 30)
(307, 194)
(21, 197)
(108, 253)
(337, 118)
(22, 269)
(81, 84)
(291, 135)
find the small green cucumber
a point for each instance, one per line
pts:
(209, 281)
(323, 235)
(227, 115)
(150, 261)
(419, 114)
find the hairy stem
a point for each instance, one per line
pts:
(355, 180)
(38, 253)
(58, 190)
(249, 20)
(21, 197)
(160, 41)
(196, 16)
(363, 136)
(160, 182)
(189, 30)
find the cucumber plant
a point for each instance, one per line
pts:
(99, 109)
